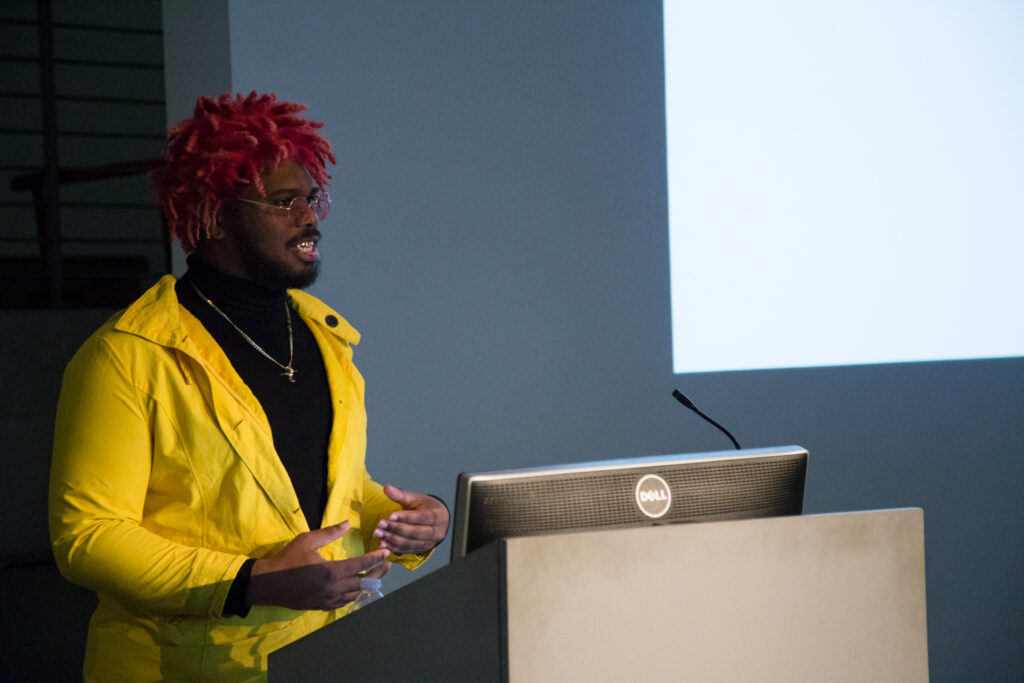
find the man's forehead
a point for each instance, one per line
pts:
(288, 178)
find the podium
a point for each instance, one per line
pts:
(837, 597)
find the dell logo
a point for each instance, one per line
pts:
(653, 496)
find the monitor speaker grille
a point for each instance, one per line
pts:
(701, 491)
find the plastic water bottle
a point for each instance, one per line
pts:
(369, 590)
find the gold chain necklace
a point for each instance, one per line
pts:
(289, 371)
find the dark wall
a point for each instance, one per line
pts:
(109, 83)
(43, 618)
(108, 108)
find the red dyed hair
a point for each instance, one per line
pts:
(227, 145)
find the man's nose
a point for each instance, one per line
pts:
(309, 217)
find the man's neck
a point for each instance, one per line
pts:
(228, 289)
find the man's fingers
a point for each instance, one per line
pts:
(346, 582)
(396, 494)
(328, 534)
(370, 560)
(379, 571)
(414, 531)
(419, 526)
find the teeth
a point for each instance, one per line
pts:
(305, 246)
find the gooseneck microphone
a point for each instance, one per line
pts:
(681, 397)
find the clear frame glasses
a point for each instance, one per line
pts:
(298, 206)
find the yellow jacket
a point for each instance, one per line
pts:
(165, 479)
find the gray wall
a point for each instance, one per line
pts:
(499, 236)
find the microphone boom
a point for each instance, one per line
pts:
(681, 397)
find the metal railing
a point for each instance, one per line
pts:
(52, 266)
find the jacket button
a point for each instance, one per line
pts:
(331, 321)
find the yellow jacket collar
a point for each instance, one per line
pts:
(155, 316)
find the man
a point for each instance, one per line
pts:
(208, 476)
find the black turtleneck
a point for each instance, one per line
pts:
(299, 413)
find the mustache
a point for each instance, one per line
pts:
(312, 234)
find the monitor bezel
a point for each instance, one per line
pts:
(465, 480)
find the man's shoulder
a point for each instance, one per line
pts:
(152, 318)
(154, 314)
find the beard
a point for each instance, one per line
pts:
(273, 274)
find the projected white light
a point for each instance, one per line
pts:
(846, 181)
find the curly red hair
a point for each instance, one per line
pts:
(228, 144)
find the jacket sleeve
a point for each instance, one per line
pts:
(98, 486)
(376, 506)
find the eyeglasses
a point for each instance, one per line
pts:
(298, 207)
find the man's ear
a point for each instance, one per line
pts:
(215, 231)
(210, 238)
(227, 215)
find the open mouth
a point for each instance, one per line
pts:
(307, 250)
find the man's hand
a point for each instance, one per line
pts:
(419, 526)
(298, 577)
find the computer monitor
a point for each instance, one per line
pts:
(644, 491)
